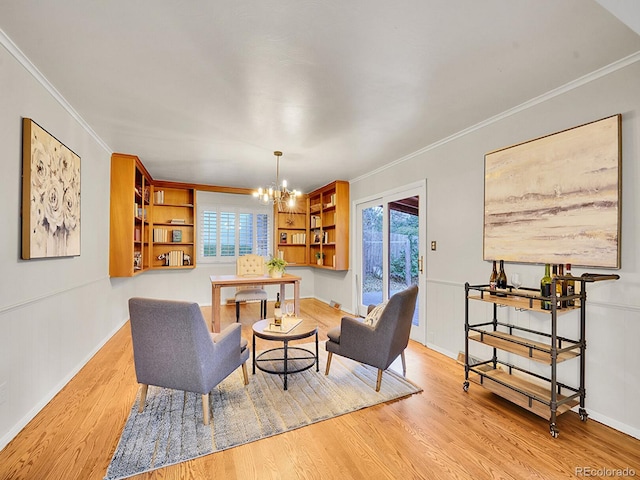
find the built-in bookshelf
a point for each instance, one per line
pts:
(316, 232)
(152, 224)
(129, 216)
(172, 226)
(291, 233)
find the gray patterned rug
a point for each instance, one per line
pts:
(170, 429)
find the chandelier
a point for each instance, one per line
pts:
(277, 194)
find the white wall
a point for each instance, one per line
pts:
(455, 170)
(54, 314)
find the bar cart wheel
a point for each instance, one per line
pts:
(553, 430)
(584, 416)
(465, 386)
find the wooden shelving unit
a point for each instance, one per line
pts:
(318, 226)
(129, 216)
(291, 233)
(172, 226)
(134, 216)
(542, 395)
(329, 226)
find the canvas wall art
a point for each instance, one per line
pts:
(50, 195)
(556, 199)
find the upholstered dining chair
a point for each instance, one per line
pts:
(172, 348)
(251, 265)
(379, 344)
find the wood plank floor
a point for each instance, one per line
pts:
(439, 433)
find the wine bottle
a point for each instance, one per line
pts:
(493, 279)
(502, 279)
(545, 287)
(561, 287)
(277, 311)
(571, 286)
(554, 275)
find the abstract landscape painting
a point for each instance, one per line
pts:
(556, 199)
(50, 195)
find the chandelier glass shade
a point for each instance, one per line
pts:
(278, 193)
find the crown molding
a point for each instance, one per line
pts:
(590, 77)
(13, 49)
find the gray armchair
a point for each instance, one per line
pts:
(381, 344)
(173, 348)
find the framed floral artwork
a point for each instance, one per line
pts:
(50, 195)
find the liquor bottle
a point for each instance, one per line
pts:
(545, 287)
(571, 286)
(277, 311)
(493, 279)
(502, 279)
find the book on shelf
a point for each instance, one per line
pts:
(176, 258)
(298, 238)
(178, 221)
(160, 234)
(176, 235)
(139, 211)
(316, 221)
(158, 197)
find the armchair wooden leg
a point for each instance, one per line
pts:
(244, 373)
(404, 364)
(205, 408)
(143, 397)
(330, 354)
(379, 381)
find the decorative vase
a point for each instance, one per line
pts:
(319, 261)
(276, 273)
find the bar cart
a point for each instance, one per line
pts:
(543, 395)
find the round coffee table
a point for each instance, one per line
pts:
(285, 360)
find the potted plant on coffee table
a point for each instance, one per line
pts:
(276, 266)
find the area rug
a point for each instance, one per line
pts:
(170, 429)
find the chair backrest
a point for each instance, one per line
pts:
(250, 265)
(172, 346)
(395, 322)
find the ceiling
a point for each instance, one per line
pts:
(204, 91)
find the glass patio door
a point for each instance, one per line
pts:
(391, 251)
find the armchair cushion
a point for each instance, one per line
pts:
(374, 314)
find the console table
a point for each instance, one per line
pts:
(220, 281)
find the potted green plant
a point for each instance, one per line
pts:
(276, 266)
(319, 258)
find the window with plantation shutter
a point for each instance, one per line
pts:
(228, 231)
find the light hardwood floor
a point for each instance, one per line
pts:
(441, 433)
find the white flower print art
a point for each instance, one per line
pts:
(50, 194)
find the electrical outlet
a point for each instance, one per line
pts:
(3, 393)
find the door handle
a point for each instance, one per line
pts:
(421, 264)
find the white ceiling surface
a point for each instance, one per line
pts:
(204, 91)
